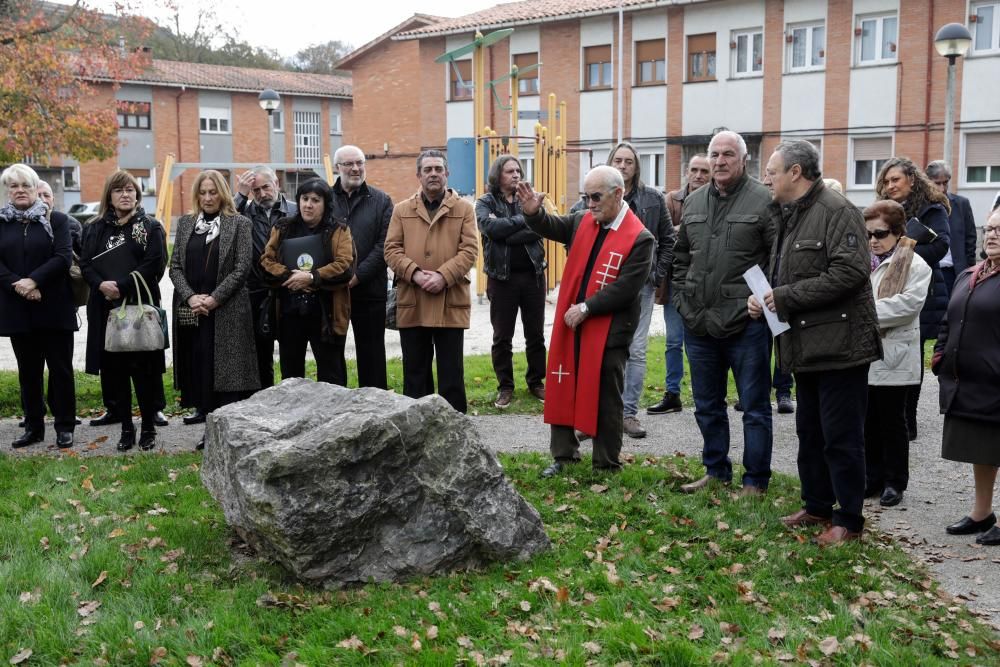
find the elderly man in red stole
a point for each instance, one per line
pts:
(610, 252)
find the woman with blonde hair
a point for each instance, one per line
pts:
(124, 240)
(215, 362)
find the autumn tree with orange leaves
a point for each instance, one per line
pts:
(51, 60)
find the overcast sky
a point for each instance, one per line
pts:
(290, 25)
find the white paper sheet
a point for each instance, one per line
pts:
(759, 286)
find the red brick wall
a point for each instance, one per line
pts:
(839, 35)
(944, 11)
(560, 55)
(166, 103)
(912, 83)
(774, 49)
(94, 173)
(675, 93)
(250, 130)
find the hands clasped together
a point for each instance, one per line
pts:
(28, 289)
(756, 310)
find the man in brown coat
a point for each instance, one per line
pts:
(431, 245)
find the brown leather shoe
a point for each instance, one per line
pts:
(538, 391)
(702, 483)
(835, 535)
(804, 518)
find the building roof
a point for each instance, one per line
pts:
(511, 14)
(242, 79)
(415, 22)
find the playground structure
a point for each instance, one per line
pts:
(550, 155)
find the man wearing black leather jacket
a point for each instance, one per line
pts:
(514, 261)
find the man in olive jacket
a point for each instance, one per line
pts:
(820, 268)
(725, 229)
(431, 246)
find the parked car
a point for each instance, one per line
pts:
(85, 211)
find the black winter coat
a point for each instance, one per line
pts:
(145, 241)
(967, 352)
(26, 251)
(962, 224)
(366, 213)
(260, 231)
(500, 231)
(931, 249)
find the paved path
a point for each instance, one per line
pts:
(940, 491)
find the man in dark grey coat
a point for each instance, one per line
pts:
(819, 273)
(259, 198)
(962, 246)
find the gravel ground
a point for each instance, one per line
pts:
(940, 491)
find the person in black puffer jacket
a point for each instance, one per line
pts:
(927, 211)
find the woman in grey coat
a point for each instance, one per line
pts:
(214, 358)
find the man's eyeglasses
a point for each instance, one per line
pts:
(351, 165)
(594, 196)
(879, 234)
(991, 229)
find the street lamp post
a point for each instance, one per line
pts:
(951, 41)
(269, 100)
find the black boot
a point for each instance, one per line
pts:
(127, 441)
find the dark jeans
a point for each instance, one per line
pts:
(830, 422)
(294, 332)
(33, 352)
(420, 345)
(523, 291)
(887, 447)
(123, 370)
(264, 344)
(781, 381)
(710, 359)
(368, 322)
(564, 444)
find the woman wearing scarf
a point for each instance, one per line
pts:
(136, 241)
(215, 361)
(899, 279)
(36, 304)
(314, 304)
(967, 363)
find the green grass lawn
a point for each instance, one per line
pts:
(128, 561)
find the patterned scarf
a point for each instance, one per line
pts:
(878, 259)
(894, 280)
(985, 269)
(37, 212)
(140, 230)
(208, 227)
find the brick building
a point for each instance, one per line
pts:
(209, 114)
(860, 78)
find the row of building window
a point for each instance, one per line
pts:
(876, 42)
(214, 120)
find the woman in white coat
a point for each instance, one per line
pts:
(900, 279)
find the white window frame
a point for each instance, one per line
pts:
(754, 68)
(880, 58)
(278, 121)
(528, 167)
(221, 116)
(307, 126)
(648, 162)
(992, 170)
(810, 40)
(335, 127)
(875, 163)
(994, 46)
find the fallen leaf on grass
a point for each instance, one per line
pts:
(21, 656)
(722, 526)
(400, 631)
(591, 647)
(465, 642)
(44, 542)
(117, 532)
(829, 646)
(194, 661)
(598, 488)
(525, 605)
(100, 579)
(352, 643)
(697, 632)
(88, 607)
(138, 625)
(562, 597)
(432, 632)
(30, 597)
(775, 635)
(158, 654)
(172, 555)
(415, 644)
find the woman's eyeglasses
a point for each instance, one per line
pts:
(879, 234)
(991, 229)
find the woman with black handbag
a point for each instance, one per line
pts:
(215, 361)
(36, 304)
(121, 241)
(313, 299)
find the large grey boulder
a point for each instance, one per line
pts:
(345, 486)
